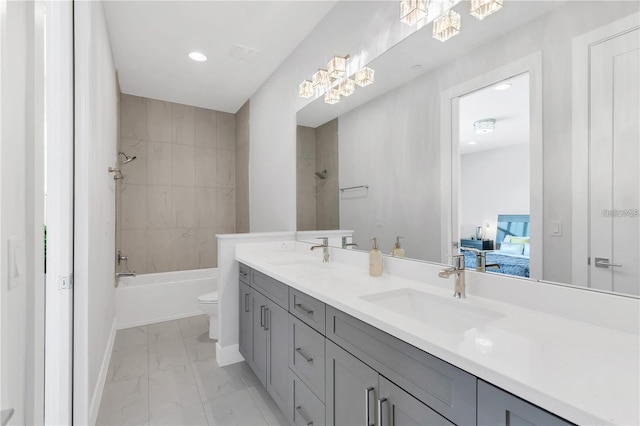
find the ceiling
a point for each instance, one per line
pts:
(244, 41)
(510, 109)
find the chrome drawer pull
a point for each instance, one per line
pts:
(380, 418)
(306, 358)
(246, 302)
(367, 393)
(262, 316)
(299, 411)
(267, 319)
(302, 309)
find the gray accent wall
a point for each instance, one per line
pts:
(242, 168)
(181, 190)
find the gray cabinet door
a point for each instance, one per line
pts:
(259, 338)
(351, 389)
(277, 327)
(399, 408)
(246, 321)
(499, 408)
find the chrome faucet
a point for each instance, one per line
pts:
(458, 270)
(345, 244)
(325, 249)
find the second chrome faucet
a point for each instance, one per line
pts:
(458, 270)
(325, 249)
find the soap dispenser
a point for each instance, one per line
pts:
(397, 251)
(375, 260)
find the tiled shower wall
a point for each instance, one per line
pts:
(180, 191)
(318, 204)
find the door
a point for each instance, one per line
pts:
(351, 389)
(399, 408)
(246, 322)
(614, 159)
(259, 338)
(277, 327)
(59, 212)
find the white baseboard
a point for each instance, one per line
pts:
(159, 319)
(228, 355)
(94, 408)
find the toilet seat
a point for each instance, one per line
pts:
(208, 297)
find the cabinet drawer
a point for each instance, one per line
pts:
(273, 289)
(308, 309)
(243, 273)
(438, 384)
(497, 407)
(306, 355)
(306, 409)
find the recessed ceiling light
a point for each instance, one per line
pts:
(503, 86)
(472, 142)
(197, 56)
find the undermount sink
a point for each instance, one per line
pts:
(450, 315)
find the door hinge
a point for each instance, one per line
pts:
(588, 261)
(65, 283)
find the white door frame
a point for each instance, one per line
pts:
(580, 252)
(450, 158)
(59, 211)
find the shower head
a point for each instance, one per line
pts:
(127, 159)
(322, 174)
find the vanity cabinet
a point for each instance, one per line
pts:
(323, 366)
(263, 327)
(499, 408)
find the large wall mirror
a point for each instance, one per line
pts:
(555, 186)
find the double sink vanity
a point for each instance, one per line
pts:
(334, 346)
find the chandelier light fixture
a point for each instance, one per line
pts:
(334, 81)
(413, 11)
(483, 8)
(306, 89)
(446, 25)
(364, 76)
(485, 125)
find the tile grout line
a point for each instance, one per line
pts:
(206, 416)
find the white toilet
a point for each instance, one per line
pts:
(209, 305)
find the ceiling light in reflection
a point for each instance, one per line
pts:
(364, 76)
(413, 11)
(332, 96)
(503, 86)
(446, 25)
(306, 89)
(197, 56)
(483, 8)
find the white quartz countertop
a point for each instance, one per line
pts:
(581, 372)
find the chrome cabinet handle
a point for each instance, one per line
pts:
(267, 319)
(367, 394)
(302, 309)
(306, 358)
(602, 262)
(304, 419)
(380, 402)
(262, 316)
(246, 302)
(243, 273)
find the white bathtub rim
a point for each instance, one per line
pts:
(168, 277)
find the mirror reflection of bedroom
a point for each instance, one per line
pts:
(495, 177)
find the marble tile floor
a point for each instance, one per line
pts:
(166, 374)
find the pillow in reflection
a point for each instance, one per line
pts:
(526, 250)
(511, 248)
(507, 239)
(519, 240)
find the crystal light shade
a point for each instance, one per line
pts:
(486, 125)
(364, 76)
(337, 67)
(321, 78)
(483, 8)
(347, 87)
(306, 89)
(413, 11)
(332, 96)
(446, 25)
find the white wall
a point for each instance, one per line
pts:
(493, 182)
(95, 150)
(363, 29)
(21, 210)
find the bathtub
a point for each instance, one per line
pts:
(150, 298)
